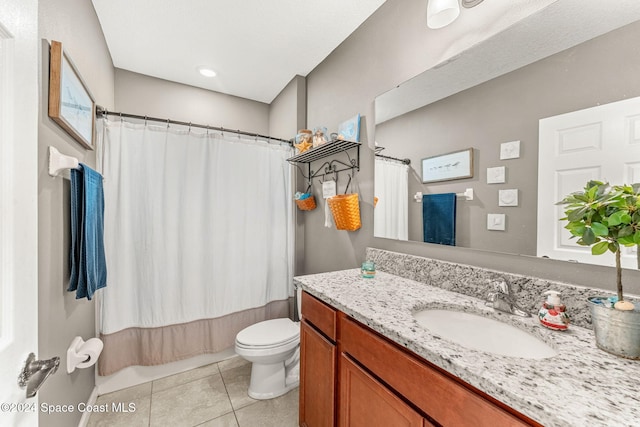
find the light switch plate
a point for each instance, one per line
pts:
(508, 197)
(496, 222)
(510, 150)
(496, 175)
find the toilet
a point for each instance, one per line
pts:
(273, 348)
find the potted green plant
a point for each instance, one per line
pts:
(606, 218)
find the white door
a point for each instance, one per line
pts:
(601, 143)
(18, 205)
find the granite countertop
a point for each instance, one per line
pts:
(581, 386)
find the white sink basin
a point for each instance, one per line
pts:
(483, 334)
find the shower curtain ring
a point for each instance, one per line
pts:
(145, 121)
(168, 124)
(189, 127)
(121, 118)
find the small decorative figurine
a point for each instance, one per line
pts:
(319, 136)
(552, 313)
(303, 140)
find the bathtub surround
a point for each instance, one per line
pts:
(198, 236)
(477, 282)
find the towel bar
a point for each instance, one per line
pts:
(468, 195)
(59, 162)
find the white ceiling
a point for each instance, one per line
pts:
(256, 47)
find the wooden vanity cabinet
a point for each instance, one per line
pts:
(351, 376)
(365, 401)
(440, 396)
(318, 362)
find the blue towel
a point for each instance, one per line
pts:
(86, 256)
(439, 218)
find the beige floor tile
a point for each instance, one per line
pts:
(136, 417)
(184, 377)
(126, 395)
(228, 420)
(279, 412)
(190, 404)
(237, 383)
(232, 363)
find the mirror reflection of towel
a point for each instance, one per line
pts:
(86, 257)
(439, 218)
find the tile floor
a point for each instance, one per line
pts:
(211, 396)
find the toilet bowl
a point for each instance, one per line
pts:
(273, 348)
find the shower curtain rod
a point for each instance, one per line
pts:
(101, 111)
(405, 161)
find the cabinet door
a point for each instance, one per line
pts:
(365, 402)
(317, 378)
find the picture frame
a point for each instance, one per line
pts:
(71, 104)
(350, 129)
(447, 167)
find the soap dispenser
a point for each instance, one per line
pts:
(552, 313)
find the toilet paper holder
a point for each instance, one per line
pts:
(81, 354)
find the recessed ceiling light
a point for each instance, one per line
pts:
(207, 72)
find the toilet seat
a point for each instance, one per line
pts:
(269, 334)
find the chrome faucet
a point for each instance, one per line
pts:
(502, 299)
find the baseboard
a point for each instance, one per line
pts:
(84, 421)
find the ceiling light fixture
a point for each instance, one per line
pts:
(207, 72)
(441, 13)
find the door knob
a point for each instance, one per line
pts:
(35, 372)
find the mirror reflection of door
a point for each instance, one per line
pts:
(600, 143)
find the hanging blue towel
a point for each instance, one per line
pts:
(86, 256)
(439, 218)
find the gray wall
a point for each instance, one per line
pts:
(61, 316)
(288, 114)
(505, 109)
(385, 51)
(149, 96)
(288, 111)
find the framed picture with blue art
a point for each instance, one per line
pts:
(350, 129)
(71, 105)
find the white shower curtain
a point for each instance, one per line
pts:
(198, 240)
(391, 214)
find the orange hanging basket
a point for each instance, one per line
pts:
(307, 204)
(346, 211)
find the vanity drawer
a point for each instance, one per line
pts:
(442, 398)
(320, 315)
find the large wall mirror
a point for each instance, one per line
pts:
(491, 99)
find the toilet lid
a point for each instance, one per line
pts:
(269, 333)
